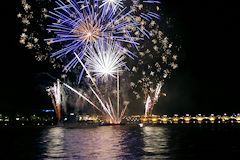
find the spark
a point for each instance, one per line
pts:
(134, 69)
(19, 15)
(174, 57)
(27, 7)
(173, 65)
(152, 73)
(22, 41)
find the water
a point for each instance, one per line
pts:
(122, 142)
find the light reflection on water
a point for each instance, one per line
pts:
(54, 141)
(105, 142)
(155, 143)
(180, 142)
(94, 143)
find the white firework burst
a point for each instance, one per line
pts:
(105, 59)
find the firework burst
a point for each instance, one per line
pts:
(80, 25)
(105, 59)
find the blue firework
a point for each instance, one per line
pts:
(83, 23)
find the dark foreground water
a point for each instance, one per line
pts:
(122, 142)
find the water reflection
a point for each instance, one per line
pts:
(155, 143)
(94, 143)
(54, 143)
(122, 142)
(98, 143)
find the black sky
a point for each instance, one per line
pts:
(206, 81)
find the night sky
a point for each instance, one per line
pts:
(206, 81)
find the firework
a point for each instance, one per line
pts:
(147, 78)
(108, 109)
(98, 34)
(81, 24)
(77, 24)
(105, 59)
(156, 95)
(150, 100)
(147, 105)
(89, 23)
(81, 95)
(157, 92)
(55, 94)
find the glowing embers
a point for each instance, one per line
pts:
(105, 59)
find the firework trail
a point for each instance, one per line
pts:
(157, 92)
(55, 93)
(156, 95)
(151, 101)
(81, 95)
(106, 108)
(147, 105)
